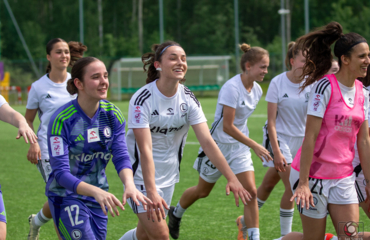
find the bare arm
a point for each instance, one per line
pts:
(214, 154)
(363, 146)
(144, 141)
(34, 152)
(229, 128)
(9, 115)
(303, 192)
(279, 159)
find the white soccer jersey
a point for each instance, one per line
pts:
(2, 100)
(234, 94)
(291, 105)
(168, 119)
(356, 160)
(47, 97)
(323, 89)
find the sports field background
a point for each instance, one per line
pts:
(211, 218)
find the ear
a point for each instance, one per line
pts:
(79, 85)
(157, 64)
(291, 61)
(48, 57)
(345, 60)
(248, 66)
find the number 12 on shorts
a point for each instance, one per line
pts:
(70, 209)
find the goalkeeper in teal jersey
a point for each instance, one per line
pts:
(83, 136)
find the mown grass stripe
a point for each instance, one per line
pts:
(55, 120)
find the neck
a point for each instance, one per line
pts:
(294, 78)
(345, 77)
(247, 81)
(167, 87)
(88, 105)
(57, 75)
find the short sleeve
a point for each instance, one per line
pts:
(196, 114)
(366, 103)
(138, 115)
(319, 98)
(2, 100)
(228, 95)
(272, 94)
(33, 100)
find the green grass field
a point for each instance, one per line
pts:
(210, 218)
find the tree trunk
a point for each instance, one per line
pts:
(140, 21)
(288, 22)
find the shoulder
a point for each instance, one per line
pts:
(322, 85)
(189, 94)
(112, 109)
(279, 78)
(62, 117)
(41, 81)
(142, 95)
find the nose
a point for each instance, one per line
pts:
(367, 60)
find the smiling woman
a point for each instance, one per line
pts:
(160, 114)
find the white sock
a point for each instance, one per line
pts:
(253, 233)
(286, 220)
(260, 203)
(40, 219)
(178, 211)
(130, 235)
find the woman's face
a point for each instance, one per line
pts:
(297, 63)
(358, 60)
(59, 56)
(258, 70)
(173, 63)
(95, 81)
(334, 68)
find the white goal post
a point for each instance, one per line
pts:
(204, 73)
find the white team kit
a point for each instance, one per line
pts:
(329, 191)
(47, 97)
(2, 101)
(290, 118)
(360, 182)
(232, 94)
(168, 119)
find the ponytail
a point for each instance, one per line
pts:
(293, 51)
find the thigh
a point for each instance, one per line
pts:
(341, 214)
(271, 177)
(313, 228)
(247, 180)
(147, 229)
(2, 230)
(285, 176)
(72, 218)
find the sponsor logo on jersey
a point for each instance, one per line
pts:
(88, 157)
(155, 113)
(93, 135)
(170, 111)
(48, 96)
(76, 234)
(344, 123)
(137, 114)
(3, 213)
(285, 95)
(57, 148)
(183, 107)
(165, 130)
(79, 138)
(107, 132)
(316, 103)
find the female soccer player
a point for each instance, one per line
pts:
(160, 114)
(46, 95)
(9, 115)
(284, 131)
(83, 135)
(230, 132)
(334, 67)
(321, 175)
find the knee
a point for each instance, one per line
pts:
(160, 235)
(253, 192)
(268, 187)
(203, 194)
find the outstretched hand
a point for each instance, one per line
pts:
(136, 196)
(155, 207)
(303, 196)
(239, 192)
(26, 132)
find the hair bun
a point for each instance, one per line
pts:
(245, 47)
(335, 28)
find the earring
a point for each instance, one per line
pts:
(158, 69)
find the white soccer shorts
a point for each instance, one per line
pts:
(360, 183)
(166, 193)
(334, 191)
(288, 146)
(44, 168)
(237, 155)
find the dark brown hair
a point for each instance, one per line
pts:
(293, 51)
(366, 80)
(78, 71)
(251, 55)
(76, 50)
(316, 48)
(149, 58)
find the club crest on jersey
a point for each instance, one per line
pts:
(76, 234)
(184, 107)
(56, 146)
(107, 132)
(93, 135)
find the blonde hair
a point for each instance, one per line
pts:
(251, 55)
